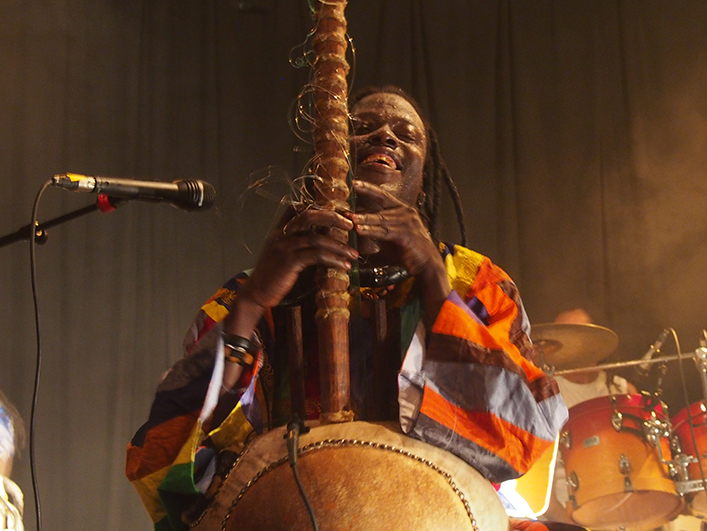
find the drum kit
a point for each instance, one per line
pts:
(628, 464)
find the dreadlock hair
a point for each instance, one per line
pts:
(434, 172)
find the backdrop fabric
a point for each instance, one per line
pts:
(576, 132)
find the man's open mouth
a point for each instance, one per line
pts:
(381, 158)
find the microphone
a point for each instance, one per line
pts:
(643, 368)
(187, 195)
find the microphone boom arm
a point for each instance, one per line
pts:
(40, 230)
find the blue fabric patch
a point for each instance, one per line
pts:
(479, 309)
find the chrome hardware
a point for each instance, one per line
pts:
(681, 461)
(566, 439)
(624, 465)
(675, 445)
(573, 501)
(572, 481)
(628, 487)
(617, 420)
(625, 469)
(654, 429)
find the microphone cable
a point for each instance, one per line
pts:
(35, 391)
(292, 436)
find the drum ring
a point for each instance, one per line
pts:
(354, 442)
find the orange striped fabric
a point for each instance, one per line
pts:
(511, 443)
(495, 336)
(473, 389)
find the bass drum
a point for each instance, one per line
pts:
(356, 475)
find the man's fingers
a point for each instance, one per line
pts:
(376, 194)
(313, 219)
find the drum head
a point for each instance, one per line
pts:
(331, 477)
(355, 475)
(634, 510)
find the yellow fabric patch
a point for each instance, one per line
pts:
(216, 311)
(462, 267)
(147, 489)
(233, 431)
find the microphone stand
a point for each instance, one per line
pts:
(104, 204)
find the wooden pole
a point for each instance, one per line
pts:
(331, 168)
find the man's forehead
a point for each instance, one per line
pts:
(384, 103)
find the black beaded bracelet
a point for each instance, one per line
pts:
(242, 349)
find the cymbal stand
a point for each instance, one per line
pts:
(701, 362)
(617, 365)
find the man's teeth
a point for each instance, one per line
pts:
(380, 158)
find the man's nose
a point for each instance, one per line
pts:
(384, 136)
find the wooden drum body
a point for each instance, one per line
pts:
(615, 476)
(696, 447)
(356, 475)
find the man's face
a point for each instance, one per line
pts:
(389, 145)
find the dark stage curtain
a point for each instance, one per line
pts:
(576, 131)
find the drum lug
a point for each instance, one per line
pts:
(675, 446)
(625, 469)
(617, 420)
(572, 481)
(624, 465)
(628, 487)
(566, 439)
(573, 501)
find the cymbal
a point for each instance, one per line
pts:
(572, 346)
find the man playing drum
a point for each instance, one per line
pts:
(457, 335)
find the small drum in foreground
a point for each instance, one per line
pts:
(696, 447)
(615, 475)
(356, 475)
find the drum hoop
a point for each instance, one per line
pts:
(693, 411)
(249, 441)
(613, 402)
(329, 443)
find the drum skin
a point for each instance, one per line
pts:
(602, 500)
(357, 476)
(693, 447)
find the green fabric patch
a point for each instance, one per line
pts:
(178, 492)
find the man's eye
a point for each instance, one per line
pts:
(406, 134)
(360, 129)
